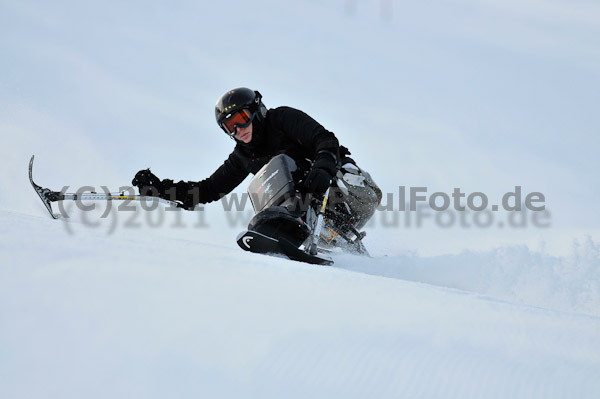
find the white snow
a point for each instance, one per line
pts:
(147, 314)
(480, 95)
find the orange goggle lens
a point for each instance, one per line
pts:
(239, 119)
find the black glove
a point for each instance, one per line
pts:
(321, 173)
(188, 194)
(148, 183)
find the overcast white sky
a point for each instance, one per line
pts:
(482, 95)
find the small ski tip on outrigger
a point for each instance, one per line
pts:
(48, 196)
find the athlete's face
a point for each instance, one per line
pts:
(244, 134)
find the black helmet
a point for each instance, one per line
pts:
(237, 99)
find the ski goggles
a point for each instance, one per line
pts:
(241, 119)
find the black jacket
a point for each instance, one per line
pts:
(285, 130)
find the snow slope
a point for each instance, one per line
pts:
(148, 314)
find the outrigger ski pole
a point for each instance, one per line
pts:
(48, 196)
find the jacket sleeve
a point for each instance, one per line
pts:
(304, 130)
(227, 177)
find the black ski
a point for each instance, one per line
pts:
(259, 243)
(299, 255)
